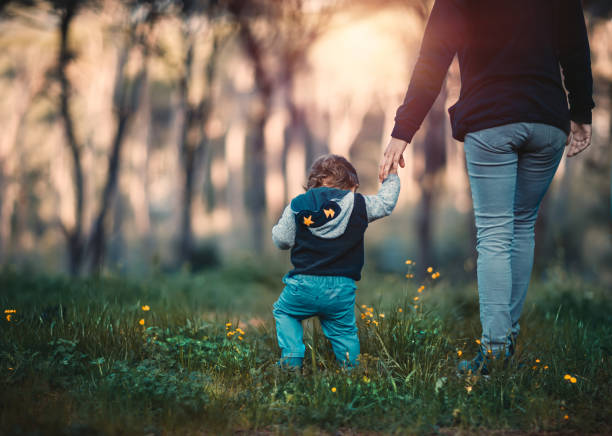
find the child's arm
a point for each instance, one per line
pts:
(382, 204)
(283, 233)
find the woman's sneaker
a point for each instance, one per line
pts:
(476, 366)
(480, 365)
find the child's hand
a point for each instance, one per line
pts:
(393, 169)
(393, 155)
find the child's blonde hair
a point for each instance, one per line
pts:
(333, 171)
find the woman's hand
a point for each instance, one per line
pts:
(578, 139)
(392, 157)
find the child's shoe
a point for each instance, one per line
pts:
(290, 363)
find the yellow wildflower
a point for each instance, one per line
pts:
(382, 315)
(366, 379)
(534, 367)
(468, 389)
(545, 366)
(409, 276)
(370, 309)
(459, 353)
(146, 308)
(363, 315)
(416, 298)
(433, 276)
(363, 306)
(142, 321)
(240, 337)
(573, 380)
(333, 389)
(228, 324)
(478, 341)
(375, 322)
(8, 317)
(537, 360)
(399, 310)
(416, 306)
(10, 311)
(566, 417)
(567, 377)
(408, 262)
(239, 330)
(421, 289)
(429, 269)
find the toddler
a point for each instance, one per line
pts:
(324, 229)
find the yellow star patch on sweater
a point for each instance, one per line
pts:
(308, 220)
(329, 212)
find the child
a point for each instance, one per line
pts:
(324, 228)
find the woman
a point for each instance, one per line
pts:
(513, 117)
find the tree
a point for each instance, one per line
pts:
(198, 18)
(67, 10)
(434, 151)
(248, 15)
(126, 97)
(138, 36)
(29, 83)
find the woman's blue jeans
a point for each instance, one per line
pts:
(332, 299)
(510, 168)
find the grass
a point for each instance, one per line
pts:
(75, 359)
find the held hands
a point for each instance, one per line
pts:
(578, 139)
(392, 157)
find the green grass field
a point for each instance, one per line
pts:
(84, 356)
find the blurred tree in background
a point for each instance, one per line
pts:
(174, 132)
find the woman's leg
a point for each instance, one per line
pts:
(492, 161)
(538, 160)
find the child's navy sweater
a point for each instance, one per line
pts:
(324, 228)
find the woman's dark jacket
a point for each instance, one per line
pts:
(509, 55)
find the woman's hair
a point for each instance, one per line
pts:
(333, 171)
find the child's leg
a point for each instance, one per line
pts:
(338, 321)
(289, 311)
(289, 334)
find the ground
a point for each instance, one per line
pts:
(195, 354)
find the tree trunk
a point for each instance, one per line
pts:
(297, 134)
(256, 153)
(256, 176)
(186, 156)
(97, 245)
(434, 150)
(74, 236)
(193, 140)
(27, 90)
(127, 103)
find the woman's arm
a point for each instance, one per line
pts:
(443, 36)
(575, 60)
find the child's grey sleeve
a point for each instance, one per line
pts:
(382, 204)
(283, 233)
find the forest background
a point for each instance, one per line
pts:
(141, 136)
